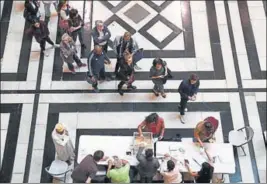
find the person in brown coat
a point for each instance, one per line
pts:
(68, 52)
(41, 33)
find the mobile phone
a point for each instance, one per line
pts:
(186, 161)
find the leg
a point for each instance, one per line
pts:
(149, 179)
(155, 89)
(183, 104)
(143, 179)
(49, 40)
(120, 87)
(105, 48)
(71, 68)
(78, 61)
(47, 12)
(42, 44)
(117, 67)
(102, 74)
(161, 90)
(80, 35)
(74, 36)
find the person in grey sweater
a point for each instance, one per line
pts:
(148, 165)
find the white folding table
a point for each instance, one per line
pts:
(222, 152)
(110, 145)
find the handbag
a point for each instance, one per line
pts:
(138, 55)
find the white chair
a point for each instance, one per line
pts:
(58, 170)
(238, 137)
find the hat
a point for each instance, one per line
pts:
(59, 127)
(193, 77)
(117, 163)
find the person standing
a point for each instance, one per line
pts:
(96, 66)
(86, 171)
(41, 33)
(148, 165)
(120, 173)
(122, 44)
(101, 35)
(188, 90)
(63, 144)
(31, 11)
(68, 53)
(76, 24)
(153, 123)
(158, 74)
(47, 5)
(206, 129)
(126, 73)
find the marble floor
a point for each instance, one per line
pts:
(224, 43)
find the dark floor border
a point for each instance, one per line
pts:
(4, 24)
(252, 53)
(11, 140)
(55, 109)
(264, 6)
(239, 82)
(262, 109)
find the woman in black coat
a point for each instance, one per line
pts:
(126, 73)
(31, 11)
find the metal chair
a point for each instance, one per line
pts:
(238, 137)
(58, 170)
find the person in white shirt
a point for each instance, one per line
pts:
(47, 5)
(63, 144)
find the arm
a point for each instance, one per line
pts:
(115, 45)
(109, 168)
(180, 90)
(139, 155)
(106, 36)
(60, 141)
(89, 63)
(152, 73)
(95, 36)
(196, 135)
(190, 171)
(196, 88)
(135, 46)
(66, 52)
(143, 124)
(107, 58)
(162, 129)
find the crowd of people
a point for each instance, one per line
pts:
(128, 53)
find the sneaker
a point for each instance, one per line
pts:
(155, 92)
(182, 118)
(73, 71)
(83, 65)
(136, 67)
(96, 90)
(184, 109)
(46, 53)
(56, 45)
(120, 92)
(131, 87)
(163, 95)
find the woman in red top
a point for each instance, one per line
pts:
(153, 123)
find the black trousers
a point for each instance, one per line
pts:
(77, 61)
(78, 33)
(122, 83)
(43, 40)
(146, 179)
(118, 65)
(105, 47)
(183, 104)
(100, 75)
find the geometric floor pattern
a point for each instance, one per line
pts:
(223, 42)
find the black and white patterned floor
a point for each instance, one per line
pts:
(224, 43)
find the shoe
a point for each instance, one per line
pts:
(83, 65)
(131, 87)
(120, 92)
(83, 46)
(96, 90)
(56, 45)
(182, 118)
(46, 53)
(184, 109)
(163, 95)
(73, 71)
(136, 67)
(156, 93)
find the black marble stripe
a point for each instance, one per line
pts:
(252, 53)
(4, 24)
(215, 40)
(240, 87)
(264, 6)
(262, 113)
(11, 140)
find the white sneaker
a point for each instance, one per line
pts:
(56, 45)
(184, 109)
(182, 118)
(46, 53)
(136, 67)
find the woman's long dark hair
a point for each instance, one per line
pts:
(152, 118)
(157, 61)
(206, 171)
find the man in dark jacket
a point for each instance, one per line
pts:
(41, 33)
(188, 90)
(31, 12)
(96, 65)
(148, 165)
(101, 35)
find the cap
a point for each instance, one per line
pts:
(59, 127)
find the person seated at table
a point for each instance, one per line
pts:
(205, 130)
(172, 175)
(153, 123)
(206, 172)
(120, 173)
(86, 171)
(148, 165)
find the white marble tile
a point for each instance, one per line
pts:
(176, 44)
(244, 67)
(70, 120)
(25, 124)
(39, 138)
(42, 114)
(46, 81)
(198, 6)
(173, 13)
(221, 16)
(20, 159)
(17, 98)
(263, 63)
(99, 15)
(17, 178)
(9, 85)
(27, 85)
(262, 175)
(255, 3)
(261, 97)
(143, 42)
(116, 30)
(114, 3)
(253, 114)
(36, 166)
(159, 31)
(4, 121)
(257, 83)
(215, 97)
(256, 13)
(32, 71)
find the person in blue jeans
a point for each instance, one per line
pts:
(188, 90)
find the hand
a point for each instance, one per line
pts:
(161, 76)
(110, 163)
(167, 155)
(160, 137)
(189, 98)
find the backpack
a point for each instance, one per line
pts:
(25, 13)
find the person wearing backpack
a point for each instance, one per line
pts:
(76, 26)
(31, 11)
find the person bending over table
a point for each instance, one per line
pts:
(205, 130)
(153, 123)
(120, 172)
(86, 171)
(172, 175)
(148, 165)
(206, 172)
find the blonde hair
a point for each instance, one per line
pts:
(65, 36)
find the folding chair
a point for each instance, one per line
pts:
(58, 170)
